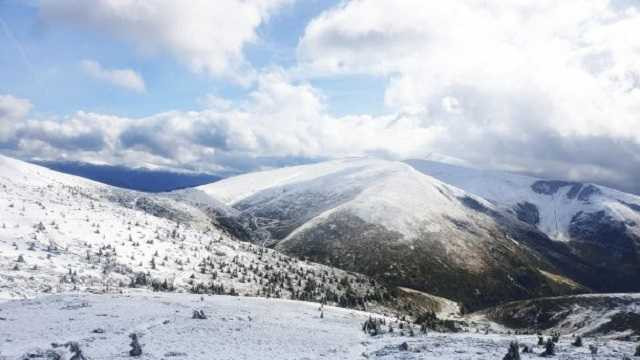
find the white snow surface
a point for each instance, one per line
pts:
(507, 189)
(20, 172)
(235, 328)
(239, 328)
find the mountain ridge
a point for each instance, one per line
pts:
(428, 234)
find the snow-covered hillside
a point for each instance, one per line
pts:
(600, 225)
(615, 316)
(241, 328)
(557, 203)
(61, 233)
(388, 193)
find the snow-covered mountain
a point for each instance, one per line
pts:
(388, 220)
(61, 233)
(555, 203)
(600, 225)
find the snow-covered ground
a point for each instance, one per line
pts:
(235, 328)
(239, 328)
(60, 233)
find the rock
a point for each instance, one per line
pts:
(199, 314)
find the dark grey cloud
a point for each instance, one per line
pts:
(147, 139)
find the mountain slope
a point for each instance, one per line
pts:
(385, 219)
(61, 233)
(610, 315)
(601, 226)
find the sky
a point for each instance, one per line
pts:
(549, 88)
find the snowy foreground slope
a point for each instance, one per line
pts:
(63, 233)
(238, 328)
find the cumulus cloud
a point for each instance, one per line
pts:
(548, 87)
(12, 110)
(281, 122)
(207, 36)
(126, 78)
(211, 101)
(77, 137)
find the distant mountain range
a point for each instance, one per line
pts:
(477, 237)
(140, 179)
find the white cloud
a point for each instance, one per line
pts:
(207, 36)
(125, 78)
(12, 111)
(211, 101)
(572, 56)
(12, 108)
(527, 85)
(281, 121)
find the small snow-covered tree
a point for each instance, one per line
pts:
(577, 342)
(136, 349)
(514, 352)
(74, 348)
(549, 348)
